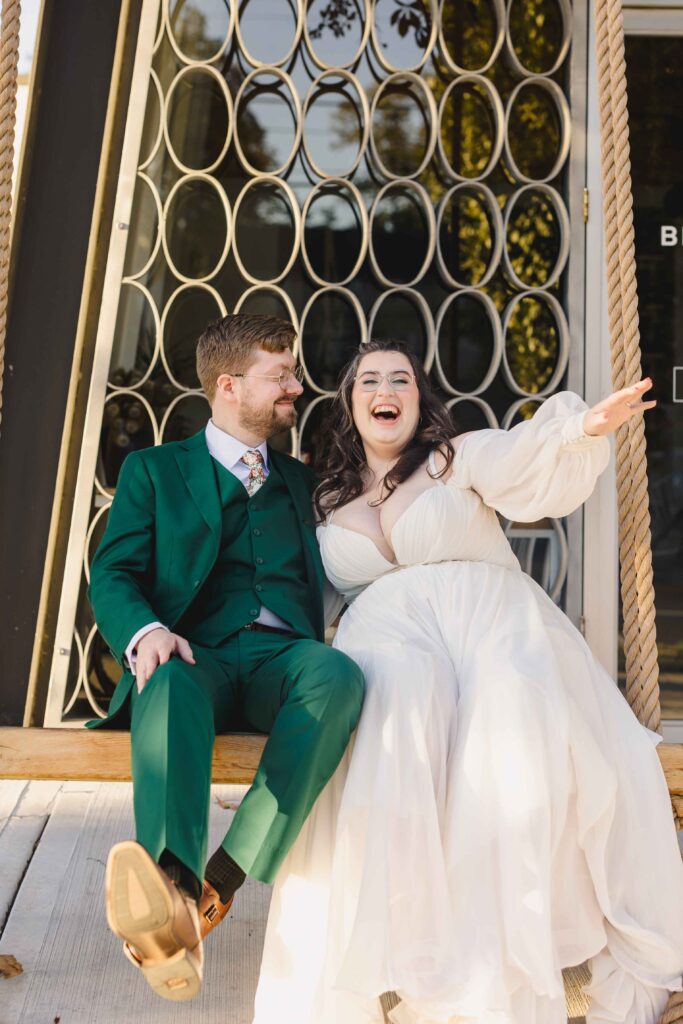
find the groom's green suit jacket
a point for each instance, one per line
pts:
(162, 540)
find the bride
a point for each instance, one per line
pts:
(500, 813)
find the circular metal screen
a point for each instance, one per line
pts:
(389, 168)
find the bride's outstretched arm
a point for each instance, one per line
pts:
(548, 465)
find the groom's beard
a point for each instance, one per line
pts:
(267, 420)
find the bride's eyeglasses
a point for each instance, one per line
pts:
(399, 380)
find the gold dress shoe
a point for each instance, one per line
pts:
(211, 909)
(159, 925)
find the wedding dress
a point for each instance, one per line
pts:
(500, 813)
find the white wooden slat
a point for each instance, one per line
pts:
(34, 908)
(74, 967)
(10, 794)
(20, 830)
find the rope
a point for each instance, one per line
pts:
(674, 1009)
(637, 591)
(643, 682)
(635, 549)
(615, 312)
(9, 62)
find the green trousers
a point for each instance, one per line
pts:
(306, 695)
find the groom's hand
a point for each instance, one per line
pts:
(155, 648)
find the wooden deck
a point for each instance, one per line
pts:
(54, 840)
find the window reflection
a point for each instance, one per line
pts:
(401, 129)
(199, 27)
(333, 233)
(469, 33)
(334, 127)
(532, 343)
(537, 33)
(266, 124)
(268, 29)
(468, 129)
(535, 132)
(336, 31)
(466, 343)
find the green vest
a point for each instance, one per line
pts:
(260, 562)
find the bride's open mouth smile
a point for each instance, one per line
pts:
(386, 412)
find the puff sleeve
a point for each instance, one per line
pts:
(545, 466)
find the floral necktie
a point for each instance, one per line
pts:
(257, 470)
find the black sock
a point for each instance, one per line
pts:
(179, 873)
(224, 874)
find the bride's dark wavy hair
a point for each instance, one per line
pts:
(341, 462)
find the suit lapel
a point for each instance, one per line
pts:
(196, 468)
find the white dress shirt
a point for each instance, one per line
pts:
(227, 450)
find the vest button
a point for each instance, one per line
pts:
(259, 560)
(257, 533)
(258, 588)
(196, 583)
(253, 611)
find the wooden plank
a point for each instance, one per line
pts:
(574, 978)
(671, 756)
(10, 795)
(104, 755)
(577, 1003)
(33, 910)
(18, 837)
(74, 967)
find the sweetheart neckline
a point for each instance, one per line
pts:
(364, 536)
(394, 565)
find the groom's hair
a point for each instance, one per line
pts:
(227, 345)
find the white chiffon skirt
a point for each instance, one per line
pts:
(500, 814)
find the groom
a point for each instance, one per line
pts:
(208, 588)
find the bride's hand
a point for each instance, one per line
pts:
(609, 414)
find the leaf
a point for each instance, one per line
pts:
(9, 966)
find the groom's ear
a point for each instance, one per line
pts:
(225, 386)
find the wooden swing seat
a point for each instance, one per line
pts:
(104, 756)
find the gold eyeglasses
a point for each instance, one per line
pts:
(284, 378)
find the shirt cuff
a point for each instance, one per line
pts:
(129, 657)
(573, 435)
